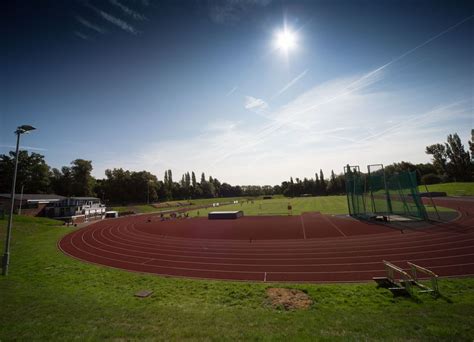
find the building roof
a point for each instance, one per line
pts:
(35, 197)
(85, 198)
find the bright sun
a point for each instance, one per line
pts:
(285, 40)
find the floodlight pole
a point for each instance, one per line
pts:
(21, 198)
(6, 255)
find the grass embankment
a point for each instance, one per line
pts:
(49, 296)
(279, 206)
(209, 201)
(173, 205)
(141, 208)
(452, 189)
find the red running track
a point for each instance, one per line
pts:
(307, 248)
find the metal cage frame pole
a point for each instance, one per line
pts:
(347, 189)
(403, 197)
(347, 171)
(374, 209)
(431, 199)
(387, 193)
(416, 196)
(389, 201)
(6, 256)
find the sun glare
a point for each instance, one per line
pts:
(285, 40)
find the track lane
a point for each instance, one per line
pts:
(135, 244)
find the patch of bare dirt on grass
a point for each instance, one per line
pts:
(288, 299)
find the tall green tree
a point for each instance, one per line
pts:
(317, 185)
(471, 145)
(124, 187)
(187, 180)
(83, 182)
(452, 159)
(459, 165)
(33, 173)
(322, 182)
(62, 182)
(440, 159)
(332, 187)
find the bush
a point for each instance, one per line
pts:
(431, 178)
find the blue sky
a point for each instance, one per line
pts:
(200, 85)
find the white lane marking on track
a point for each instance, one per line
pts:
(98, 230)
(358, 237)
(101, 229)
(181, 268)
(277, 265)
(334, 225)
(392, 254)
(304, 272)
(300, 246)
(155, 266)
(343, 281)
(98, 242)
(286, 265)
(302, 224)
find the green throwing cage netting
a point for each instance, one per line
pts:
(404, 196)
(378, 194)
(355, 190)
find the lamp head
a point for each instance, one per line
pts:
(24, 129)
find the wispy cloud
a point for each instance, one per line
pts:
(290, 84)
(127, 10)
(303, 111)
(22, 147)
(325, 127)
(231, 91)
(81, 35)
(115, 21)
(231, 11)
(426, 42)
(90, 25)
(254, 104)
(220, 126)
(436, 114)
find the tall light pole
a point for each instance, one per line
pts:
(6, 256)
(21, 198)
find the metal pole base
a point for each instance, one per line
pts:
(5, 263)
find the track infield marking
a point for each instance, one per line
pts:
(302, 224)
(334, 225)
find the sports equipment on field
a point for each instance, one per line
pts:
(376, 194)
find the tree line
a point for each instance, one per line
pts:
(451, 162)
